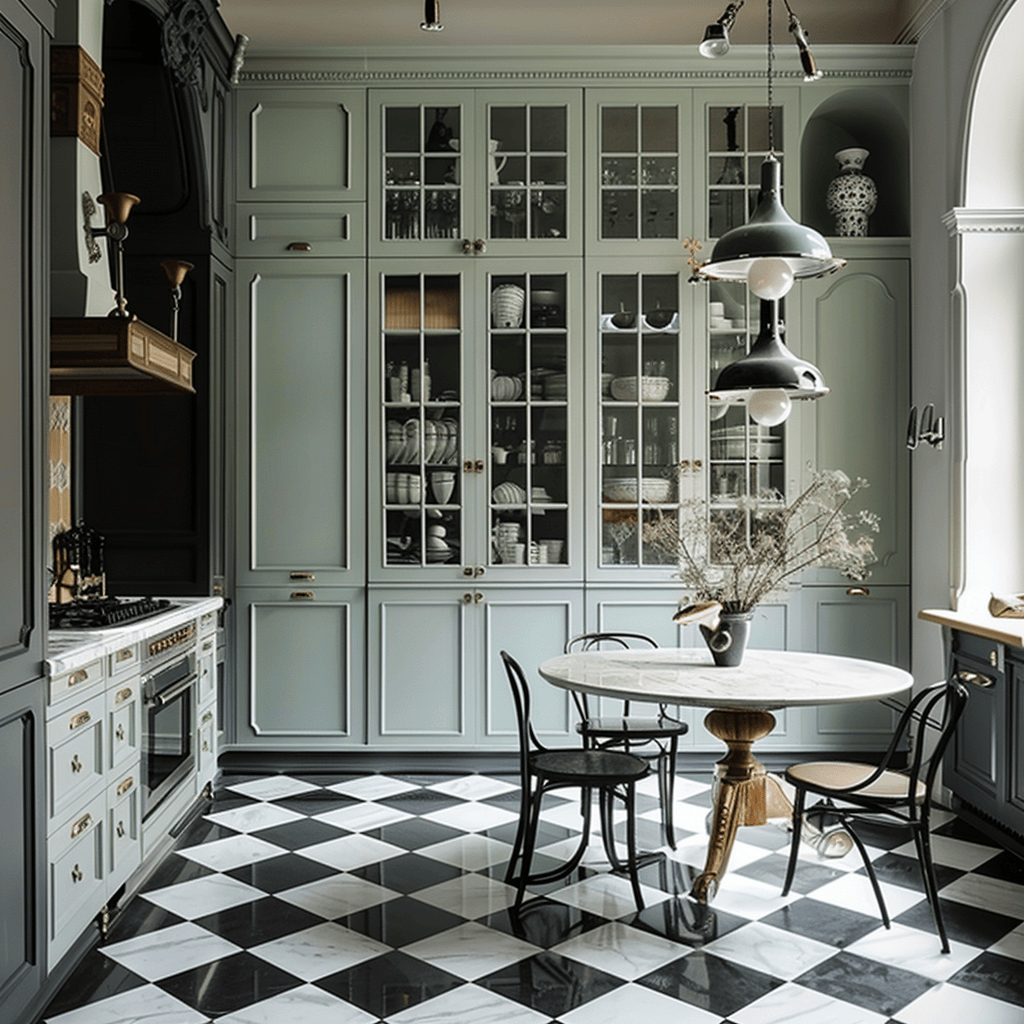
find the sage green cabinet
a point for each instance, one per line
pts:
(300, 145)
(301, 406)
(300, 667)
(436, 671)
(492, 171)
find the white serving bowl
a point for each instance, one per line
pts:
(651, 389)
(654, 489)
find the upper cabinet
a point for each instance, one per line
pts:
(475, 172)
(300, 145)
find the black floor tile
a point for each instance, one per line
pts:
(807, 877)
(139, 917)
(866, 983)
(96, 977)
(316, 802)
(687, 922)
(994, 975)
(544, 923)
(408, 873)
(816, 919)
(971, 925)
(259, 921)
(276, 874)
(226, 985)
(294, 835)
(175, 869)
(389, 984)
(400, 922)
(1004, 865)
(906, 871)
(420, 801)
(415, 833)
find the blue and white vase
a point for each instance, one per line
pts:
(852, 196)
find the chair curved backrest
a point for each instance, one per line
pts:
(592, 641)
(521, 697)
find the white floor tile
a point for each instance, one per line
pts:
(362, 817)
(253, 817)
(793, 1004)
(471, 896)
(168, 951)
(202, 896)
(372, 787)
(472, 817)
(318, 951)
(955, 1005)
(273, 787)
(773, 951)
(471, 852)
(471, 951)
(618, 949)
(306, 1004)
(854, 892)
(468, 1004)
(914, 950)
(350, 852)
(956, 853)
(986, 894)
(338, 896)
(607, 895)
(473, 787)
(637, 1003)
(1011, 944)
(146, 1004)
(233, 852)
(749, 898)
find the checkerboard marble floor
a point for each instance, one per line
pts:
(351, 899)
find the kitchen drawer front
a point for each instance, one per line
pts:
(80, 683)
(206, 745)
(979, 648)
(75, 752)
(314, 229)
(123, 661)
(124, 828)
(124, 721)
(76, 877)
(207, 623)
(206, 669)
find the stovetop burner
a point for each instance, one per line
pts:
(96, 613)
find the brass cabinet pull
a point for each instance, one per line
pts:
(477, 597)
(81, 825)
(206, 718)
(124, 654)
(78, 677)
(302, 575)
(207, 646)
(120, 830)
(467, 598)
(123, 695)
(206, 746)
(76, 874)
(975, 679)
(76, 765)
(467, 570)
(119, 733)
(79, 720)
(468, 466)
(479, 570)
(125, 786)
(299, 247)
(858, 591)
(302, 595)
(478, 466)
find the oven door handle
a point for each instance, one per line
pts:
(166, 696)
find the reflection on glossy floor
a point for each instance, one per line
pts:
(350, 899)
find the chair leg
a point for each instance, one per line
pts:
(859, 843)
(667, 790)
(517, 843)
(794, 846)
(529, 840)
(605, 803)
(630, 797)
(924, 852)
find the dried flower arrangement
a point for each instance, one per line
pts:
(756, 548)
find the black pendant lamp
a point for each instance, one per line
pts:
(769, 378)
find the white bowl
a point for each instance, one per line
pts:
(652, 489)
(651, 389)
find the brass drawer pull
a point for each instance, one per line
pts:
(206, 746)
(208, 717)
(81, 825)
(125, 654)
(207, 646)
(76, 765)
(975, 679)
(120, 830)
(858, 591)
(79, 720)
(78, 677)
(76, 874)
(302, 595)
(119, 733)
(299, 247)
(125, 786)
(308, 577)
(123, 695)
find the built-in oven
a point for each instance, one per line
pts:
(168, 687)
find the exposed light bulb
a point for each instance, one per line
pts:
(770, 277)
(769, 406)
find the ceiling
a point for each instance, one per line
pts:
(291, 24)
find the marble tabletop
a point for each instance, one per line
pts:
(69, 649)
(766, 680)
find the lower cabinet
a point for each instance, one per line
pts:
(436, 676)
(299, 667)
(1015, 737)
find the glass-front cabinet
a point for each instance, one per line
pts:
(647, 397)
(487, 172)
(475, 383)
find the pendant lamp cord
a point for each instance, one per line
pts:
(771, 68)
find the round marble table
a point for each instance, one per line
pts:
(742, 699)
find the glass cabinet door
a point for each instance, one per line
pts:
(647, 396)
(532, 487)
(419, 391)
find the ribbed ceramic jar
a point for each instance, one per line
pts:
(507, 302)
(852, 196)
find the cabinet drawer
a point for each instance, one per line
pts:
(314, 229)
(206, 669)
(79, 683)
(75, 751)
(124, 828)
(124, 721)
(122, 661)
(979, 648)
(76, 878)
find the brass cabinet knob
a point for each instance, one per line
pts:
(76, 874)
(76, 765)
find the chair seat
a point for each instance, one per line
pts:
(824, 776)
(597, 767)
(632, 727)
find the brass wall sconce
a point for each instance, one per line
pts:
(118, 206)
(176, 271)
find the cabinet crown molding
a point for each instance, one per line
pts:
(962, 220)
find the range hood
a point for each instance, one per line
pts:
(100, 355)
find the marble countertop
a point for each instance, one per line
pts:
(765, 680)
(978, 622)
(69, 649)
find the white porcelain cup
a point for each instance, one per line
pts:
(553, 548)
(518, 552)
(402, 489)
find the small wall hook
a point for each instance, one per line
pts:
(931, 428)
(913, 438)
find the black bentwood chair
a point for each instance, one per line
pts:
(611, 772)
(657, 736)
(878, 794)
